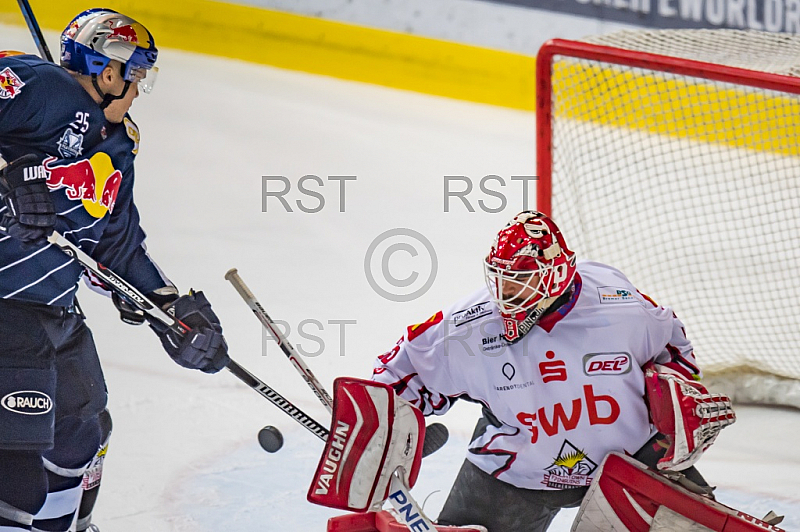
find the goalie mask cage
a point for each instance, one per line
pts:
(674, 155)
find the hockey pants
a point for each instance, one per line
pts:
(52, 390)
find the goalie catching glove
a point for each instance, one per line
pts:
(684, 411)
(373, 433)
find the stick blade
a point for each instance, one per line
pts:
(436, 435)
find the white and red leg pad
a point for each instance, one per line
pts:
(373, 432)
(383, 522)
(684, 411)
(625, 496)
(386, 522)
(364, 522)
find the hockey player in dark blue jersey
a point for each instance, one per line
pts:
(70, 146)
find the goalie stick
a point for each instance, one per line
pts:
(233, 276)
(400, 498)
(436, 434)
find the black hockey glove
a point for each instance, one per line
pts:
(127, 312)
(30, 215)
(204, 348)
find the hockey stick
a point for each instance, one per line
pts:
(141, 302)
(401, 496)
(286, 347)
(36, 32)
(436, 434)
(123, 288)
(407, 507)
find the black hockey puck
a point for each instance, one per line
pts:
(270, 439)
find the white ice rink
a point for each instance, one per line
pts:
(184, 454)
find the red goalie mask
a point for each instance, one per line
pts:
(528, 268)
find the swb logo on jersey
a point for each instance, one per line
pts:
(28, 402)
(606, 363)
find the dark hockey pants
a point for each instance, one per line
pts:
(35, 479)
(478, 498)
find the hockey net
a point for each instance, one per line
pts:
(674, 155)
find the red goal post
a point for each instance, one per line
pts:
(675, 156)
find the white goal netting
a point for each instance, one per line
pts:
(691, 186)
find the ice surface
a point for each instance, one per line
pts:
(184, 454)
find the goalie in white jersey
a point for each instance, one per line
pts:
(558, 353)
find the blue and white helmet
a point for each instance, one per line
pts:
(96, 36)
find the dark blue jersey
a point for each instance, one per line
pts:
(89, 165)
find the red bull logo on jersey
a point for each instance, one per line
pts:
(94, 181)
(10, 84)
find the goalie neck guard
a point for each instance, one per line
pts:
(528, 269)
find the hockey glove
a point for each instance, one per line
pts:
(127, 312)
(30, 215)
(684, 411)
(204, 348)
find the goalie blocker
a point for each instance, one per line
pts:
(373, 433)
(625, 496)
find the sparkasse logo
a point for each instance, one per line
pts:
(28, 402)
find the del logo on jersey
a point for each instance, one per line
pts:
(606, 363)
(93, 181)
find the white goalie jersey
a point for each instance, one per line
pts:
(565, 395)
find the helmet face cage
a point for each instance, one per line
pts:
(97, 36)
(529, 265)
(517, 291)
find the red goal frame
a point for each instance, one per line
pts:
(631, 58)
